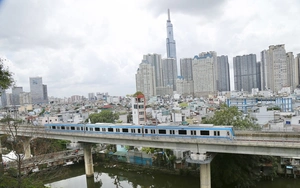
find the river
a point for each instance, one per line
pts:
(116, 178)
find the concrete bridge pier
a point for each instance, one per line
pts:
(26, 147)
(1, 165)
(88, 160)
(205, 178)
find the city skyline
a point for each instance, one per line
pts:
(82, 47)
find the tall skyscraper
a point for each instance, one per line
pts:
(292, 72)
(297, 69)
(145, 79)
(3, 98)
(205, 74)
(155, 61)
(170, 42)
(169, 72)
(38, 91)
(245, 72)
(15, 91)
(186, 70)
(223, 82)
(274, 62)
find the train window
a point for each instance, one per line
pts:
(216, 133)
(193, 132)
(81, 128)
(125, 130)
(117, 130)
(53, 127)
(72, 128)
(86, 128)
(103, 129)
(204, 133)
(146, 131)
(97, 129)
(132, 130)
(152, 131)
(182, 132)
(78, 128)
(63, 127)
(228, 133)
(91, 129)
(110, 130)
(162, 131)
(68, 128)
(172, 131)
(139, 130)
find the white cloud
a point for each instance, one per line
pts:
(87, 46)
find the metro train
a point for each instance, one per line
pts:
(191, 131)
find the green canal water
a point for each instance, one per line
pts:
(116, 178)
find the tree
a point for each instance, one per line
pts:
(231, 170)
(15, 141)
(231, 116)
(6, 79)
(105, 116)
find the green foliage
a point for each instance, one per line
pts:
(183, 104)
(6, 79)
(137, 93)
(273, 108)
(105, 116)
(231, 116)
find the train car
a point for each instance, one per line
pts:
(207, 131)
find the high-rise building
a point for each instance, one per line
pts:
(274, 61)
(184, 87)
(170, 42)
(223, 82)
(3, 98)
(38, 91)
(245, 72)
(155, 61)
(297, 70)
(186, 70)
(263, 70)
(91, 96)
(292, 72)
(169, 72)
(25, 98)
(15, 91)
(145, 79)
(205, 74)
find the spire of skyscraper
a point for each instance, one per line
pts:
(170, 42)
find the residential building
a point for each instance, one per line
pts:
(245, 72)
(25, 98)
(169, 72)
(184, 87)
(223, 82)
(138, 110)
(186, 69)
(292, 78)
(145, 79)
(155, 61)
(91, 96)
(3, 98)
(205, 74)
(38, 90)
(276, 67)
(15, 91)
(297, 70)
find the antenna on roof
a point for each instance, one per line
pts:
(169, 14)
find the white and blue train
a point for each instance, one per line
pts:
(192, 131)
